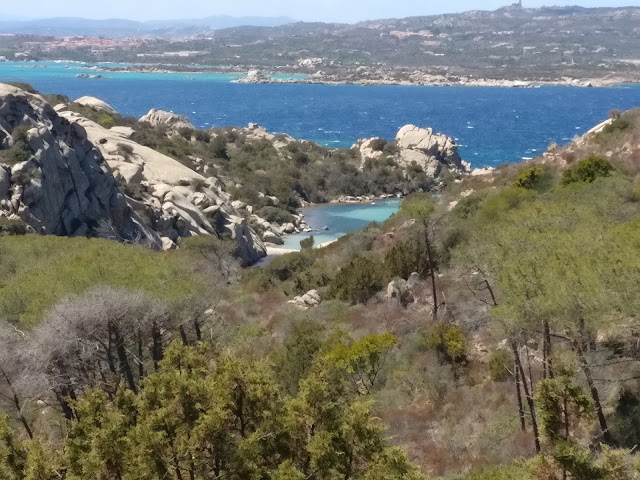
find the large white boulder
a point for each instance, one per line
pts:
(424, 146)
(171, 120)
(96, 104)
(367, 150)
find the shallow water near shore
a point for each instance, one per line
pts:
(340, 220)
(492, 125)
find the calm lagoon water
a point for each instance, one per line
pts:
(341, 219)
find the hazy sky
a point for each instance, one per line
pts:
(308, 10)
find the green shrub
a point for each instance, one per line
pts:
(618, 124)
(12, 227)
(500, 365)
(275, 215)
(219, 147)
(284, 267)
(18, 153)
(450, 343)
(587, 170)
(378, 144)
(106, 121)
(300, 159)
(534, 178)
(358, 281)
(55, 99)
(23, 86)
(307, 243)
(202, 136)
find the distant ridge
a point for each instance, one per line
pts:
(70, 26)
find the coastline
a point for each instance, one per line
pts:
(391, 78)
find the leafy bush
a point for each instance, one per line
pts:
(284, 267)
(18, 153)
(219, 147)
(12, 227)
(500, 365)
(202, 136)
(618, 124)
(307, 243)
(275, 215)
(186, 132)
(125, 149)
(587, 170)
(378, 144)
(534, 178)
(23, 86)
(450, 343)
(358, 281)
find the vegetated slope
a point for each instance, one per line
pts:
(535, 263)
(462, 330)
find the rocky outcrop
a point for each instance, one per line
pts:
(96, 104)
(65, 187)
(430, 150)
(170, 120)
(177, 201)
(403, 290)
(84, 180)
(308, 300)
(369, 148)
(254, 76)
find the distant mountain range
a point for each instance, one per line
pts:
(69, 26)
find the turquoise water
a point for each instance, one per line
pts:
(491, 125)
(341, 219)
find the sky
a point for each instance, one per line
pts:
(305, 10)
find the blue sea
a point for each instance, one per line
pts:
(491, 125)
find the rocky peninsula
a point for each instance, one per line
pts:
(62, 172)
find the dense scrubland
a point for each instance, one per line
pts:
(513, 353)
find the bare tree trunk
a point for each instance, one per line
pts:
(17, 404)
(595, 396)
(604, 428)
(183, 335)
(432, 272)
(531, 388)
(64, 405)
(548, 364)
(530, 401)
(157, 352)
(140, 356)
(523, 421)
(125, 366)
(196, 326)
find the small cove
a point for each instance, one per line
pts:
(340, 220)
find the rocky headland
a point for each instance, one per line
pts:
(62, 173)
